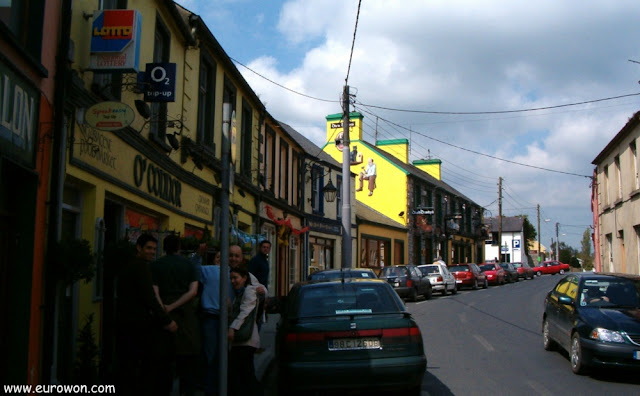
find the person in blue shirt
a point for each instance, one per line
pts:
(210, 315)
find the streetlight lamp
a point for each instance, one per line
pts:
(329, 190)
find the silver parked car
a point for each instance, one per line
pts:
(441, 279)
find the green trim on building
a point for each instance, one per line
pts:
(390, 142)
(374, 149)
(427, 162)
(336, 117)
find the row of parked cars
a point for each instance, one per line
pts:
(411, 281)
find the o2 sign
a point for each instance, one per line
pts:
(160, 82)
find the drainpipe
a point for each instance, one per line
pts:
(52, 287)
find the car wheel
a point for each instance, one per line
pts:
(428, 294)
(539, 273)
(517, 279)
(414, 295)
(414, 391)
(475, 285)
(561, 272)
(486, 284)
(455, 289)
(578, 365)
(548, 343)
(445, 291)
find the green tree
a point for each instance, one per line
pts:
(529, 232)
(585, 254)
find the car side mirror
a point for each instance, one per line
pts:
(565, 300)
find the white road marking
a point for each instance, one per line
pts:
(484, 342)
(539, 388)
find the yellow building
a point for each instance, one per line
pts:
(440, 221)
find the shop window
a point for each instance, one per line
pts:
(284, 171)
(158, 124)
(206, 101)
(21, 21)
(246, 139)
(317, 182)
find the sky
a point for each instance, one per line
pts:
(442, 59)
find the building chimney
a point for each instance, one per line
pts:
(431, 166)
(399, 148)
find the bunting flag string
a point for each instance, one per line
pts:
(284, 222)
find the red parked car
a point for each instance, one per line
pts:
(494, 273)
(524, 271)
(551, 267)
(469, 275)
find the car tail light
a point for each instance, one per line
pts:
(439, 279)
(409, 283)
(409, 334)
(295, 338)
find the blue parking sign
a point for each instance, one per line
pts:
(516, 243)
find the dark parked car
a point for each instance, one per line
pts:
(366, 273)
(510, 272)
(353, 334)
(469, 275)
(407, 280)
(494, 272)
(524, 271)
(595, 317)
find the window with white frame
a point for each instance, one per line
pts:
(634, 165)
(618, 177)
(609, 253)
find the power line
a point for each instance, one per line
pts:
(353, 43)
(499, 111)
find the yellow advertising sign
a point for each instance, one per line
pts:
(109, 116)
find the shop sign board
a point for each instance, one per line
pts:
(115, 41)
(160, 82)
(109, 116)
(19, 108)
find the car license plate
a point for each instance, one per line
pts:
(636, 355)
(458, 281)
(348, 344)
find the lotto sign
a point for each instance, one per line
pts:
(115, 40)
(160, 79)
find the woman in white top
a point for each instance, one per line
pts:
(242, 377)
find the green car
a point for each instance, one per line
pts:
(348, 334)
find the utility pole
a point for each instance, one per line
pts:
(346, 183)
(557, 243)
(224, 247)
(500, 219)
(539, 259)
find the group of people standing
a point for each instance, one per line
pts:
(169, 319)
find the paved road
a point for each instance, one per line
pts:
(489, 341)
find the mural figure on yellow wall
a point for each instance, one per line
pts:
(370, 175)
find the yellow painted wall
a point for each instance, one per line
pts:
(390, 195)
(383, 232)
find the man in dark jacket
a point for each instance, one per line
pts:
(175, 279)
(141, 315)
(259, 264)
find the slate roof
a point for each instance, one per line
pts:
(308, 146)
(509, 224)
(367, 214)
(418, 173)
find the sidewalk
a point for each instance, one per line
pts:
(262, 361)
(268, 342)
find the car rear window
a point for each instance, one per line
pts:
(487, 267)
(393, 271)
(517, 265)
(455, 268)
(429, 269)
(345, 299)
